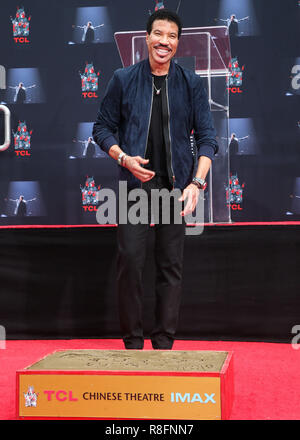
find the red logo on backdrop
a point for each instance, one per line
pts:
(21, 40)
(21, 26)
(22, 140)
(89, 81)
(22, 153)
(89, 195)
(234, 90)
(89, 95)
(235, 79)
(235, 193)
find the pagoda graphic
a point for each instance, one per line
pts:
(89, 79)
(89, 192)
(20, 23)
(22, 137)
(31, 397)
(234, 191)
(236, 73)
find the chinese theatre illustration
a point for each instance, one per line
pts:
(20, 23)
(22, 137)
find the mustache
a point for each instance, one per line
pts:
(161, 46)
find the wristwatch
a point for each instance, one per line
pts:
(121, 157)
(201, 183)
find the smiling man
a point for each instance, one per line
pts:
(154, 106)
(162, 42)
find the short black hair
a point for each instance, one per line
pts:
(164, 14)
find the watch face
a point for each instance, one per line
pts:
(201, 181)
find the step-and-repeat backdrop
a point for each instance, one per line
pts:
(56, 58)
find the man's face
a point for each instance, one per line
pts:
(162, 42)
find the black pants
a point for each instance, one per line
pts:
(168, 250)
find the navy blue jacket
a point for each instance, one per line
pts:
(125, 112)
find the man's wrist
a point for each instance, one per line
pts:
(122, 158)
(200, 183)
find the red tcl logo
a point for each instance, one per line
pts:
(236, 207)
(89, 95)
(60, 395)
(90, 208)
(21, 40)
(235, 90)
(22, 153)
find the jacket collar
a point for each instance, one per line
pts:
(148, 68)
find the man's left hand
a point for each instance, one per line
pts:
(191, 193)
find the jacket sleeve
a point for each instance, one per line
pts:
(204, 131)
(109, 115)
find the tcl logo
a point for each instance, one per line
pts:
(234, 90)
(21, 40)
(89, 95)
(22, 153)
(90, 208)
(235, 207)
(60, 395)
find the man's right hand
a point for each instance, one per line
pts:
(133, 164)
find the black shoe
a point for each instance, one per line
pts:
(162, 343)
(134, 344)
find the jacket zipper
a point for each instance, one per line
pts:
(173, 174)
(149, 122)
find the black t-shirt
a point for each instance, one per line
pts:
(90, 35)
(233, 147)
(156, 150)
(233, 28)
(21, 96)
(22, 209)
(90, 151)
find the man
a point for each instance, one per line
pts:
(234, 144)
(89, 148)
(154, 105)
(233, 24)
(21, 206)
(88, 35)
(20, 95)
